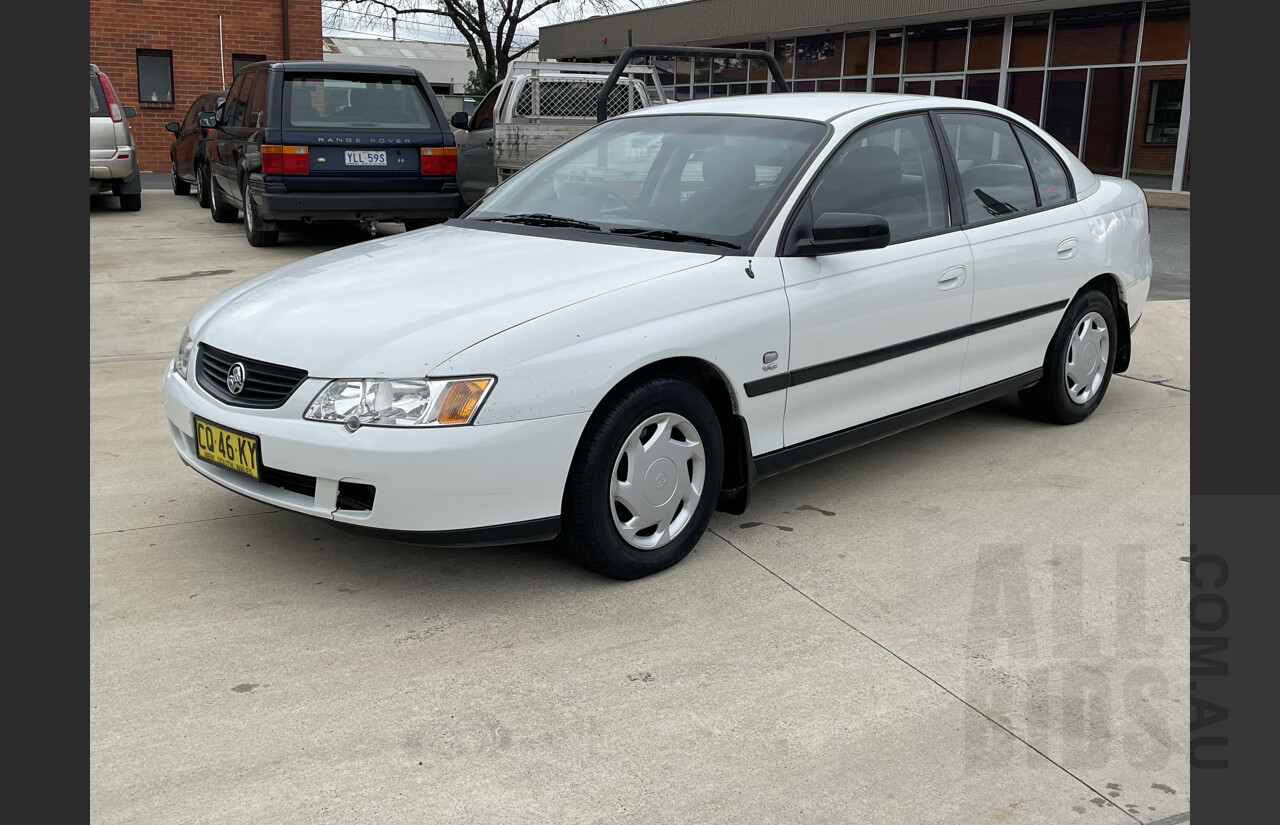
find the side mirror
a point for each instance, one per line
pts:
(206, 119)
(173, 126)
(459, 120)
(130, 112)
(845, 232)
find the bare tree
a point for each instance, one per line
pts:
(489, 27)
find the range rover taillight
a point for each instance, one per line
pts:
(438, 160)
(285, 160)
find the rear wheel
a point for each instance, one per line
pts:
(1078, 363)
(180, 186)
(253, 230)
(221, 212)
(645, 480)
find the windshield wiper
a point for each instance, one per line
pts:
(543, 219)
(673, 235)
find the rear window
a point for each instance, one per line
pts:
(355, 102)
(97, 100)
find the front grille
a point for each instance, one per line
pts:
(266, 386)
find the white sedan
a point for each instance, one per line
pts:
(616, 342)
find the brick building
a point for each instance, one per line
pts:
(160, 54)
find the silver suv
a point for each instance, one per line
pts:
(113, 156)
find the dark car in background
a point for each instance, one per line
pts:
(113, 155)
(186, 152)
(313, 141)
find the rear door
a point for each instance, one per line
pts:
(362, 132)
(228, 144)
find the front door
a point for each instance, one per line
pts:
(477, 172)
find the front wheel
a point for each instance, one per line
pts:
(180, 186)
(221, 212)
(202, 185)
(1078, 363)
(645, 480)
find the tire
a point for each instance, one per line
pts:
(221, 212)
(131, 203)
(202, 185)
(180, 186)
(664, 433)
(253, 231)
(1078, 363)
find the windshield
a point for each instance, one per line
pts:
(682, 178)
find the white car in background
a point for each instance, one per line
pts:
(632, 331)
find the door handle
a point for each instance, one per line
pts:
(1068, 249)
(952, 278)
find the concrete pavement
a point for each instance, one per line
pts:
(984, 619)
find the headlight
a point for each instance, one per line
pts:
(183, 357)
(400, 402)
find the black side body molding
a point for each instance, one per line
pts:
(828, 445)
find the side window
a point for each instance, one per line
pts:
(994, 177)
(238, 100)
(483, 117)
(1053, 185)
(257, 113)
(889, 169)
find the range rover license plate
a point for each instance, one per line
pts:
(364, 157)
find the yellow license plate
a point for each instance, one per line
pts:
(228, 448)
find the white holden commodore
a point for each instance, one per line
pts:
(637, 327)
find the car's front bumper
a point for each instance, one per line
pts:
(453, 486)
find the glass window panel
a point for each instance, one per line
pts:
(1025, 91)
(889, 51)
(239, 61)
(994, 177)
(885, 84)
(1064, 108)
(986, 43)
(729, 69)
(1151, 163)
(1109, 95)
(917, 87)
(756, 69)
(802, 86)
(785, 53)
(856, 47)
(984, 87)
(155, 76)
(889, 169)
(1051, 180)
(949, 87)
(818, 56)
(854, 84)
(829, 85)
(701, 70)
(1030, 39)
(936, 47)
(1096, 35)
(1167, 32)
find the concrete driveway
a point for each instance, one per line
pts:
(981, 620)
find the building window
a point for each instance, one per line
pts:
(155, 76)
(239, 61)
(1164, 111)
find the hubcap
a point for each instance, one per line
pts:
(1087, 358)
(657, 481)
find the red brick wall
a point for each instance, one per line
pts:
(118, 28)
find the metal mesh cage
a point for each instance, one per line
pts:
(570, 98)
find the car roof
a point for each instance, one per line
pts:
(820, 106)
(339, 66)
